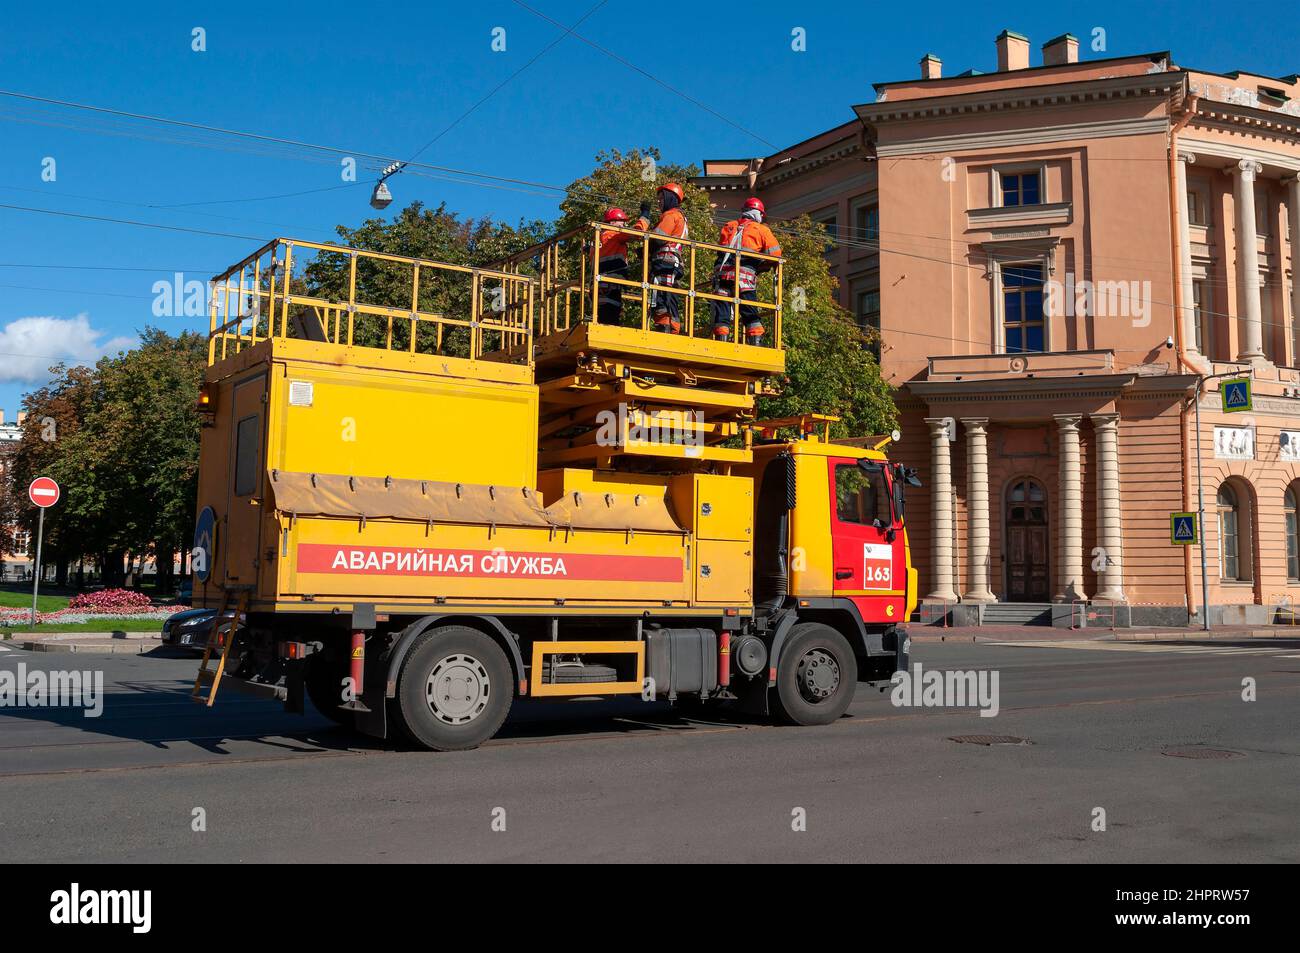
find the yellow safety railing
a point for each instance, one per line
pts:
(568, 277)
(478, 310)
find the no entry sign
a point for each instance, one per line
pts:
(43, 492)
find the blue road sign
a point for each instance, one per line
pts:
(1182, 528)
(1236, 395)
(204, 544)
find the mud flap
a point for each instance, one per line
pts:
(902, 650)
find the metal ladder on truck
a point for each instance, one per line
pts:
(208, 680)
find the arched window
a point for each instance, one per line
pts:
(1289, 501)
(1229, 534)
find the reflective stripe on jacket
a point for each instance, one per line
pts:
(673, 224)
(746, 235)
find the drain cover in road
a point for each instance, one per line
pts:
(1197, 753)
(988, 740)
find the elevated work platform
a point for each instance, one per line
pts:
(614, 391)
(613, 394)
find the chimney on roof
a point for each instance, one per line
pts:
(1013, 51)
(22, 415)
(931, 67)
(1063, 49)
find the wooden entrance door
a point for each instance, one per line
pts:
(1026, 551)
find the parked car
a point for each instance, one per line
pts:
(190, 629)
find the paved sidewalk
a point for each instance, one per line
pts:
(1046, 633)
(102, 643)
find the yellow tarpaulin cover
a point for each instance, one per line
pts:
(328, 494)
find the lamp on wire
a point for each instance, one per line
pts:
(381, 197)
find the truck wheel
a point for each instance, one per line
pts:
(323, 680)
(816, 676)
(454, 689)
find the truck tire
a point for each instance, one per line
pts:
(323, 680)
(454, 689)
(815, 677)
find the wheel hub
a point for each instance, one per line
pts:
(458, 689)
(818, 676)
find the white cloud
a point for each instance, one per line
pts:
(30, 346)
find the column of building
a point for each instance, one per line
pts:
(1293, 226)
(1069, 577)
(941, 550)
(1068, 514)
(1110, 540)
(978, 550)
(1187, 294)
(1252, 335)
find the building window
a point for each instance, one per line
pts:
(1022, 308)
(866, 307)
(830, 221)
(1197, 211)
(1203, 317)
(1229, 535)
(867, 223)
(1021, 188)
(1292, 537)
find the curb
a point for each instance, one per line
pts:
(115, 646)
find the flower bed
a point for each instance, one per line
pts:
(105, 605)
(12, 617)
(111, 600)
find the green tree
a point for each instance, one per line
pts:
(416, 232)
(122, 441)
(830, 367)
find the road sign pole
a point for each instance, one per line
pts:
(36, 576)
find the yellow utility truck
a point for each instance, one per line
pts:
(427, 490)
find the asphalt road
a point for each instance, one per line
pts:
(584, 782)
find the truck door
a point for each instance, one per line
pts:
(869, 564)
(247, 472)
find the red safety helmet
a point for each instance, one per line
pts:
(615, 215)
(674, 188)
(752, 203)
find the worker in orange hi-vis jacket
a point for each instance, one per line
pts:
(613, 262)
(747, 233)
(666, 258)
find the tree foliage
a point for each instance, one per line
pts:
(417, 232)
(122, 441)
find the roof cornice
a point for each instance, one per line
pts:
(1172, 85)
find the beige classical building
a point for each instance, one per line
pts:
(1060, 258)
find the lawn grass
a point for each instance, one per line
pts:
(93, 625)
(23, 600)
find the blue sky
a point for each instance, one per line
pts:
(387, 78)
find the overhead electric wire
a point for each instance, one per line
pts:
(648, 75)
(230, 218)
(120, 221)
(568, 31)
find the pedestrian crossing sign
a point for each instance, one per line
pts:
(1236, 395)
(1182, 529)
